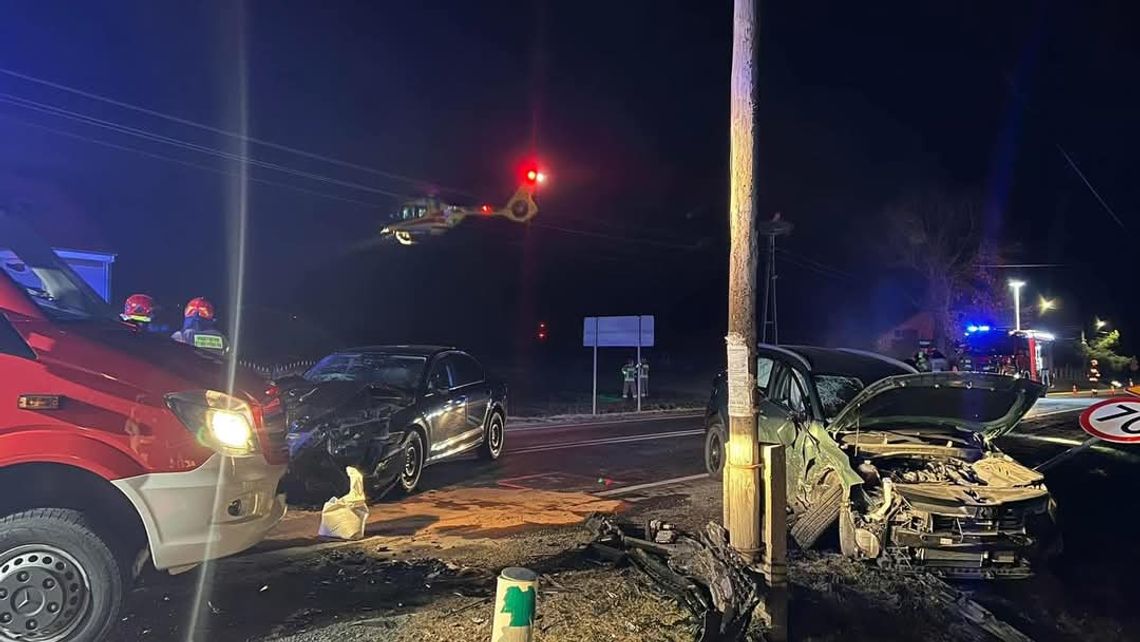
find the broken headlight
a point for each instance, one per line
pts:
(220, 421)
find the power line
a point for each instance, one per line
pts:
(812, 268)
(612, 237)
(169, 159)
(153, 137)
(1022, 266)
(217, 130)
(815, 266)
(1089, 185)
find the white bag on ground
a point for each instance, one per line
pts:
(345, 517)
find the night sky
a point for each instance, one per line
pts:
(626, 106)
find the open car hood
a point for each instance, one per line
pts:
(983, 403)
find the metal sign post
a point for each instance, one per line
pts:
(595, 364)
(637, 368)
(618, 332)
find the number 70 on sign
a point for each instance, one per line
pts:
(1116, 420)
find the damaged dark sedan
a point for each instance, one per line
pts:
(389, 411)
(903, 463)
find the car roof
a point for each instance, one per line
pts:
(409, 350)
(867, 366)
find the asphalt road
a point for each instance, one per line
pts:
(611, 456)
(593, 458)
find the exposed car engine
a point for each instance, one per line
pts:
(959, 507)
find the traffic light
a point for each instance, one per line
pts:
(541, 335)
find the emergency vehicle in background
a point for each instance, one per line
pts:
(1019, 353)
(423, 217)
(117, 446)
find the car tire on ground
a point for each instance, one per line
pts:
(413, 464)
(715, 439)
(494, 437)
(58, 578)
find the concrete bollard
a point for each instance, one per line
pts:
(516, 598)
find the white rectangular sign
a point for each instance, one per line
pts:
(618, 332)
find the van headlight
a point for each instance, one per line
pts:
(220, 421)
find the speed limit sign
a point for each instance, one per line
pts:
(1116, 420)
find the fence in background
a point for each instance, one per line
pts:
(278, 370)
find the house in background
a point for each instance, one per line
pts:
(64, 224)
(902, 340)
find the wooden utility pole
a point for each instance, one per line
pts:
(742, 488)
(757, 528)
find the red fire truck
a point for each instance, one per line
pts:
(116, 447)
(1020, 353)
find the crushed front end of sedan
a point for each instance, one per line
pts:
(338, 424)
(910, 471)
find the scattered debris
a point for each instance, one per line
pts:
(702, 572)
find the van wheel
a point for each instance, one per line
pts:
(58, 578)
(715, 439)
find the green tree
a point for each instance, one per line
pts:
(1103, 347)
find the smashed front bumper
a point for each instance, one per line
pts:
(318, 458)
(968, 537)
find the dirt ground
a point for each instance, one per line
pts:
(375, 593)
(427, 572)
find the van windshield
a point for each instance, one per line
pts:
(47, 280)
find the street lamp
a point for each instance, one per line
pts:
(1044, 305)
(1100, 323)
(1016, 285)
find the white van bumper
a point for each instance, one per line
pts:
(223, 507)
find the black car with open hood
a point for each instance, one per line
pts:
(902, 463)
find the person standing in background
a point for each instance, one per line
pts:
(629, 379)
(643, 377)
(199, 327)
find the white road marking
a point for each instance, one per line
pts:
(625, 490)
(1062, 441)
(604, 422)
(1035, 415)
(607, 441)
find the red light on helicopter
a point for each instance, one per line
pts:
(486, 209)
(533, 176)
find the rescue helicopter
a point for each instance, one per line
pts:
(421, 218)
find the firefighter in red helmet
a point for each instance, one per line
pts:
(138, 309)
(200, 327)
